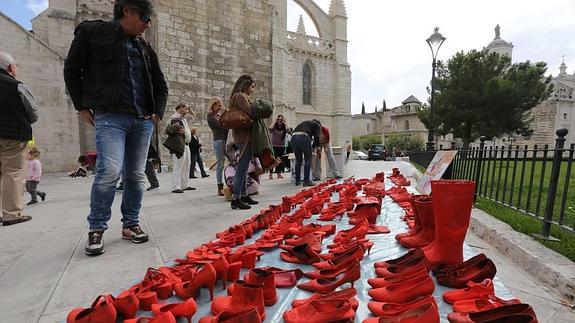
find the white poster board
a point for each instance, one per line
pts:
(435, 170)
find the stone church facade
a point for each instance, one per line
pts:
(203, 47)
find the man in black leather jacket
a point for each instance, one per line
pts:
(115, 81)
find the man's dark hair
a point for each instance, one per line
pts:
(144, 7)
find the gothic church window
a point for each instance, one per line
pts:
(307, 84)
(406, 124)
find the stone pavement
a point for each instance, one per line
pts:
(44, 272)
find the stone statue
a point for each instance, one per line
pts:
(497, 32)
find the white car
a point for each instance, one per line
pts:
(358, 155)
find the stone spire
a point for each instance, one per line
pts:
(337, 8)
(301, 26)
(563, 68)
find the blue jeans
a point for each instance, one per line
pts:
(122, 142)
(240, 188)
(219, 151)
(301, 145)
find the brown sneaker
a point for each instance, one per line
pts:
(135, 234)
(21, 219)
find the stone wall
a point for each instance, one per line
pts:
(204, 46)
(56, 132)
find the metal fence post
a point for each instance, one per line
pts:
(477, 174)
(554, 180)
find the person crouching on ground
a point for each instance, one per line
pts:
(33, 175)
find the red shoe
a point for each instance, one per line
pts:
(185, 309)
(484, 269)
(321, 311)
(382, 282)
(302, 254)
(425, 313)
(163, 318)
(492, 315)
(234, 271)
(353, 254)
(248, 258)
(324, 286)
(262, 277)
(451, 223)
(285, 278)
(245, 295)
(206, 277)
(424, 237)
(330, 273)
(357, 232)
(313, 239)
(473, 290)
(405, 291)
(250, 315)
(342, 248)
(101, 311)
(391, 309)
(443, 269)
(409, 256)
(126, 304)
(412, 265)
(483, 303)
(348, 293)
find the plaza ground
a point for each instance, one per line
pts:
(44, 272)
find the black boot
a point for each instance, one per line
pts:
(238, 204)
(248, 200)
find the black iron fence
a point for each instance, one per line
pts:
(536, 181)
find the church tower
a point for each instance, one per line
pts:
(499, 45)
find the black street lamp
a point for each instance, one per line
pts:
(434, 41)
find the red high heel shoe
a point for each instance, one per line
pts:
(205, 277)
(472, 291)
(410, 266)
(313, 239)
(347, 293)
(321, 311)
(391, 309)
(411, 255)
(249, 315)
(353, 254)
(358, 232)
(482, 303)
(245, 295)
(185, 309)
(425, 313)
(101, 311)
(494, 314)
(126, 304)
(342, 248)
(302, 254)
(164, 318)
(405, 291)
(324, 286)
(330, 273)
(382, 282)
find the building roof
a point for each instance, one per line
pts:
(411, 99)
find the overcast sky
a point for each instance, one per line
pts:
(387, 50)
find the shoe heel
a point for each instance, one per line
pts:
(369, 250)
(211, 290)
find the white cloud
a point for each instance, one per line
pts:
(37, 6)
(389, 56)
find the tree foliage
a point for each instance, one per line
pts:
(482, 94)
(403, 142)
(363, 142)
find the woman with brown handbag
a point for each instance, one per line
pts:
(240, 100)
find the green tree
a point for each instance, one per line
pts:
(482, 94)
(363, 142)
(403, 142)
